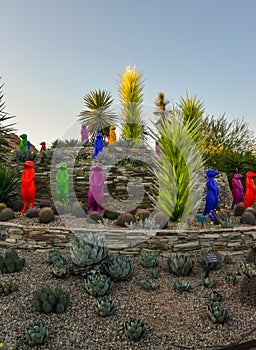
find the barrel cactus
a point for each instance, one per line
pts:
(87, 250)
(181, 265)
(248, 218)
(36, 333)
(32, 213)
(125, 219)
(104, 307)
(7, 288)
(134, 328)
(118, 267)
(217, 313)
(98, 285)
(6, 214)
(11, 262)
(149, 259)
(46, 215)
(48, 300)
(2, 206)
(182, 286)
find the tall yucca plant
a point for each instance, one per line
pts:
(179, 189)
(130, 87)
(5, 128)
(9, 184)
(98, 115)
(192, 110)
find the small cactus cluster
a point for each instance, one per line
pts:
(217, 313)
(215, 296)
(231, 278)
(6, 214)
(223, 218)
(98, 285)
(182, 286)
(36, 333)
(118, 267)
(48, 300)
(181, 265)
(7, 288)
(134, 328)
(46, 215)
(125, 219)
(149, 259)
(11, 262)
(104, 307)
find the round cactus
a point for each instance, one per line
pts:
(181, 265)
(125, 219)
(2, 206)
(32, 213)
(248, 218)
(16, 205)
(239, 209)
(149, 259)
(217, 313)
(95, 217)
(46, 215)
(6, 214)
(142, 214)
(250, 210)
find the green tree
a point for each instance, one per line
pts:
(98, 116)
(130, 87)
(5, 126)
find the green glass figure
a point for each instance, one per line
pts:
(62, 177)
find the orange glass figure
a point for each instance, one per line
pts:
(28, 188)
(112, 134)
(250, 192)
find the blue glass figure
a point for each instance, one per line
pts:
(98, 145)
(212, 194)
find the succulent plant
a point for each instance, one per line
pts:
(208, 282)
(215, 296)
(155, 273)
(2, 206)
(181, 265)
(98, 285)
(46, 215)
(217, 313)
(54, 254)
(244, 267)
(206, 264)
(239, 209)
(89, 249)
(149, 259)
(134, 328)
(125, 219)
(95, 217)
(32, 213)
(227, 259)
(147, 285)
(231, 278)
(224, 219)
(118, 267)
(251, 256)
(48, 300)
(183, 286)
(161, 219)
(7, 288)
(6, 214)
(36, 333)
(11, 262)
(104, 307)
(142, 214)
(59, 268)
(248, 218)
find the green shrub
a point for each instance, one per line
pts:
(9, 184)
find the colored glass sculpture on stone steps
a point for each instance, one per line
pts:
(62, 189)
(250, 192)
(28, 188)
(212, 193)
(95, 192)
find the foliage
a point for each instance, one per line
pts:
(7, 288)
(181, 265)
(20, 156)
(98, 285)
(104, 307)
(98, 116)
(134, 328)
(48, 300)
(147, 285)
(217, 313)
(5, 128)
(231, 278)
(179, 190)
(9, 184)
(118, 267)
(224, 219)
(130, 87)
(58, 143)
(11, 262)
(36, 333)
(215, 296)
(208, 282)
(183, 286)
(149, 259)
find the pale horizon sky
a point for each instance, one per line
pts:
(53, 52)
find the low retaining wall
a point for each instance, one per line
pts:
(132, 242)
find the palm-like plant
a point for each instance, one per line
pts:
(98, 116)
(179, 190)
(4, 128)
(130, 87)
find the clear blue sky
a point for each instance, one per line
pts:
(53, 52)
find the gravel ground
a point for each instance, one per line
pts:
(173, 320)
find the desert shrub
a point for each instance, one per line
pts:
(9, 184)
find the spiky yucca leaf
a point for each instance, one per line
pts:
(179, 189)
(98, 114)
(9, 184)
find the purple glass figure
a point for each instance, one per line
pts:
(96, 189)
(84, 133)
(237, 190)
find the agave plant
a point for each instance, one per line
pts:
(155, 273)
(104, 307)
(98, 285)
(217, 313)
(147, 285)
(149, 259)
(244, 267)
(98, 115)
(118, 267)
(181, 265)
(208, 282)
(183, 286)
(54, 254)
(215, 296)
(231, 278)
(59, 268)
(134, 328)
(36, 333)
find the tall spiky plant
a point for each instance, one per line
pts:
(4, 128)
(98, 116)
(179, 189)
(130, 87)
